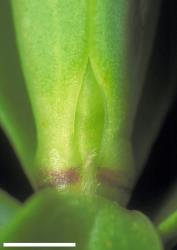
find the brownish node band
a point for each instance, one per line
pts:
(63, 177)
(111, 178)
(72, 176)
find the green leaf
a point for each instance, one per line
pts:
(93, 223)
(8, 209)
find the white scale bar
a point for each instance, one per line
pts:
(39, 244)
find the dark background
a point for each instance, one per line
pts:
(161, 169)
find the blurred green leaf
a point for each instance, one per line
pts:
(166, 217)
(16, 116)
(8, 208)
(93, 223)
